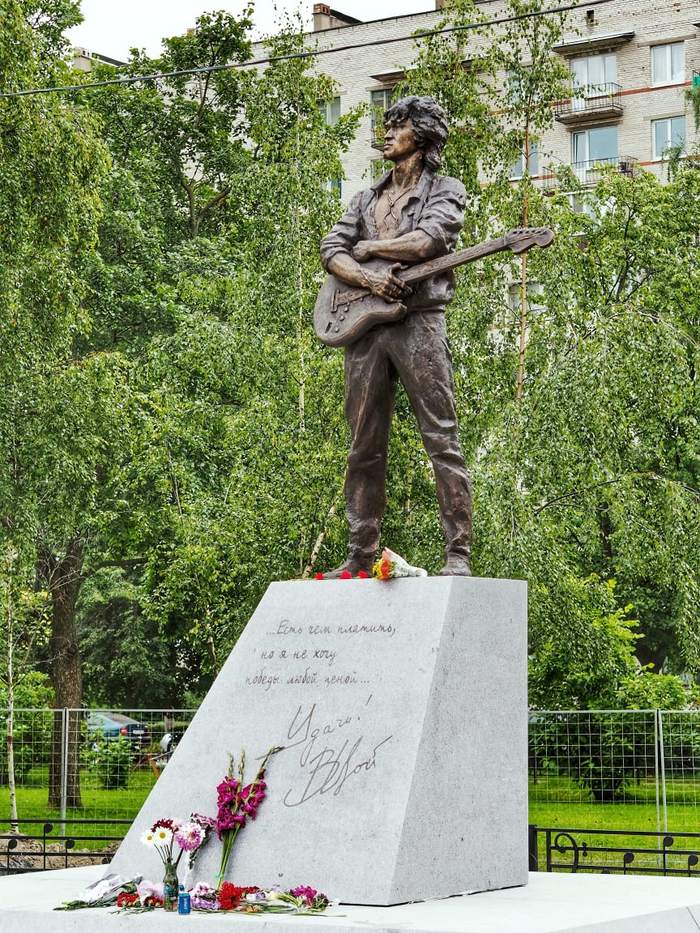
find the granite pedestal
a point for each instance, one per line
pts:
(402, 707)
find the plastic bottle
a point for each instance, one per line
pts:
(184, 901)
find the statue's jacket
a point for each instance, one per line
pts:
(435, 206)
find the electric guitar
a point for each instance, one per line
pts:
(343, 314)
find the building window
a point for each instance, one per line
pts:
(380, 101)
(667, 134)
(668, 63)
(593, 72)
(532, 163)
(598, 144)
(330, 110)
(535, 292)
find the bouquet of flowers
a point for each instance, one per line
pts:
(164, 836)
(299, 900)
(302, 900)
(189, 837)
(391, 565)
(237, 803)
(103, 893)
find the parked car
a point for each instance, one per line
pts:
(107, 725)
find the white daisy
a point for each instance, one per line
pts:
(163, 836)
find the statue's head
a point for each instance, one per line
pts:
(428, 123)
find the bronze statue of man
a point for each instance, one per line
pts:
(410, 215)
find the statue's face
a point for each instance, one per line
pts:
(399, 140)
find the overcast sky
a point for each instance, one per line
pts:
(112, 27)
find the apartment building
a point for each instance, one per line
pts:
(85, 60)
(633, 61)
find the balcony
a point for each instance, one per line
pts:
(590, 173)
(597, 102)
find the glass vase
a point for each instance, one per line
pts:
(170, 887)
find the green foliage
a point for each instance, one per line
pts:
(579, 416)
(31, 731)
(168, 408)
(599, 751)
(589, 654)
(33, 691)
(112, 760)
(647, 690)
(693, 96)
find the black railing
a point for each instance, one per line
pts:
(592, 101)
(590, 172)
(27, 849)
(595, 850)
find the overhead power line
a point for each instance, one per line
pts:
(209, 69)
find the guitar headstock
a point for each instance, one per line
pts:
(523, 238)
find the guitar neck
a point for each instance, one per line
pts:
(425, 269)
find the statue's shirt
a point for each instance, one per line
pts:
(387, 213)
(435, 205)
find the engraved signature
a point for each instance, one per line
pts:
(326, 766)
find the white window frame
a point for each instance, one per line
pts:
(588, 159)
(588, 84)
(389, 98)
(669, 46)
(326, 108)
(661, 156)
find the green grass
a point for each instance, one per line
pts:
(124, 803)
(556, 802)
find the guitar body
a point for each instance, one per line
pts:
(344, 313)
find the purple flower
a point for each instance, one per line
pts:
(204, 897)
(189, 836)
(206, 822)
(309, 895)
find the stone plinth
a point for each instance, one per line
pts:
(402, 707)
(551, 903)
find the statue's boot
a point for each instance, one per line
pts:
(456, 565)
(354, 563)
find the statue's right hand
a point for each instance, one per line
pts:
(387, 284)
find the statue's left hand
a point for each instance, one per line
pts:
(362, 251)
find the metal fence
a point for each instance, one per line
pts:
(608, 851)
(636, 770)
(617, 769)
(72, 765)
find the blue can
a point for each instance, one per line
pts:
(184, 901)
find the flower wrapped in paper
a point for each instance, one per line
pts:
(391, 565)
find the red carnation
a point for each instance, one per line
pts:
(230, 895)
(127, 900)
(318, 576)
(346, 575)
(362, 575)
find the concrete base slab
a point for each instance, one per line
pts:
(551, 903)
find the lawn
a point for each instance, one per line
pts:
(555, 802)
(98, 804)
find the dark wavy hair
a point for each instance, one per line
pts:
(429, 122)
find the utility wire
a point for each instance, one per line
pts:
(209, 69)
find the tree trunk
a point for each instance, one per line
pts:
(524, 303)
(64, 578)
